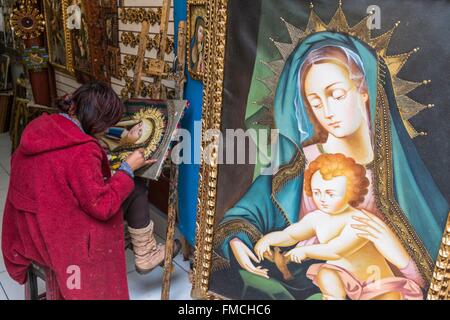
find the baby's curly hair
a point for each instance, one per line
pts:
(336, 165)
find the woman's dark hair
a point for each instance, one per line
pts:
(96, 106)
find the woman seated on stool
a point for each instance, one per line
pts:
(63, 209)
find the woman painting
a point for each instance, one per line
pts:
(328, 100)
(124, 137)
(63, 210)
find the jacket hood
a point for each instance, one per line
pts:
(50, 133)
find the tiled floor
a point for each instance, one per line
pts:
(147, 287)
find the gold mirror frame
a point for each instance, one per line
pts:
(69, 67)
(216, 24)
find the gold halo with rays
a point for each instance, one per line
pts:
(157, 118)
(408, 107)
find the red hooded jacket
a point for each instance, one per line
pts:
(63, 211)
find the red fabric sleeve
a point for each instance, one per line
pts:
(98, 197)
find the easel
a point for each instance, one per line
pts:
(156, 69)
(173, 190)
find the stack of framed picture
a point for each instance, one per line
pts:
(111, 27)
(75, 36)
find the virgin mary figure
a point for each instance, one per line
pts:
(144, 129)
(197, 47)
(334, 95)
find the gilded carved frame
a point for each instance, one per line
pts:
(216, 24)
(69, 67)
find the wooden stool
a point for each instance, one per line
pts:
(51, 285)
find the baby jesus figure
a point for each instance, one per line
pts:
(354, 268)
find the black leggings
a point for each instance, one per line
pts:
(136, 209)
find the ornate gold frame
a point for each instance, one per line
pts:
(216, 23)
(69, 67)
(190, 4)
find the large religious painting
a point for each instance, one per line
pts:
(347, 197)
(58, 35)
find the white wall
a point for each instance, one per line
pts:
(67, 84)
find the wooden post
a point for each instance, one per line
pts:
(163, 42)
(140, 58)
(173, 190)
(156, 69)
(181, 60)
(170, 235)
